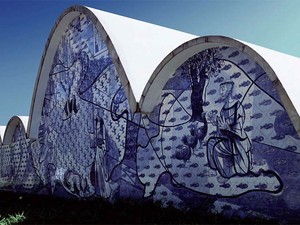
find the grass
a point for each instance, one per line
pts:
(13, 219)
(37, 209)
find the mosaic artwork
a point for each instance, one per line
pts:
(83, 127)
(218, 133)
(16, 168)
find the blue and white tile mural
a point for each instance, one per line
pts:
(219, 133)
(17, 172)
(82, 133)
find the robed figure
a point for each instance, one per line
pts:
(102, 186)
(230, 151)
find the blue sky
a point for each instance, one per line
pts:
(26, 24)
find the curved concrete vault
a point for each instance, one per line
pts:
(145, 55)
(13, 123)
(143, 75)
(147, 58)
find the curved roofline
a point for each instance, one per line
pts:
(52, 43)
(11, 126)
(159, 77)
(179, 55)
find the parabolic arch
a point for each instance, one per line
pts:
(144, 97)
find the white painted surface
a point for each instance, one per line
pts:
(140, 46)
(149, 54)
(24, 120)
(2, 131)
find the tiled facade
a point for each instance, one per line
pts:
(218, 133)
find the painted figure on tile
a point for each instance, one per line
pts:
(102, 187)
(82, 133)
(66, 118)
(230, 151)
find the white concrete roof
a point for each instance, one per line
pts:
(24, 120)
(2, 130)
(146, 55)
(141, 46)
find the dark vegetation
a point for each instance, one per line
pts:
(41, 209)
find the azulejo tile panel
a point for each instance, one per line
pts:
(218, 133)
